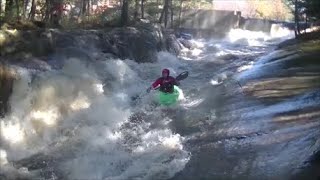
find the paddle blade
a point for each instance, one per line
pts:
(182, 76)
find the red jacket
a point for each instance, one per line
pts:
(166, 84)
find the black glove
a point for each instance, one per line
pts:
(149, 89)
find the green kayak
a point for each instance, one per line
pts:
(168, 99)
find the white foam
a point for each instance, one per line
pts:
(75, 114)
(246, 37)
(12, 132)
(245, 67)
(278, 31)
(3, 157)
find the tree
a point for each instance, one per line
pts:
(84, 7)
(9, 9)
(142, 9)
(296, 7)
(180, 11)
(164, 13)
(17, 8)
(312, 9)
(172, 12)
(136, 10)
(124, 12)
(296, 18)
(47, 11)
(0, 8)
(33, 9)
(25, 8)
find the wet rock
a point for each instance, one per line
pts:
(35, 42)
(134, 43)
(172, 44)
(32, 63)
(186, 43)
(140, 43)
(62, 40)
(7, 76)
(228, 57)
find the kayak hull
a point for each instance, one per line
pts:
(168, 99)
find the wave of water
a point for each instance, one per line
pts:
(76, 116)
(79, 122)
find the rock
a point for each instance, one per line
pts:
(63, 40)
(132, 43)
(7, 76)
(186, 43)
(185, 36)
(172, 44)
(34, 42)
(227, 57)
(140, 43)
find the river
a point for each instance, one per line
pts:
(82, 122)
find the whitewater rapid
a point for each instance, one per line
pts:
(79, 122)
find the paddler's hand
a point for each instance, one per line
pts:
(149, 89)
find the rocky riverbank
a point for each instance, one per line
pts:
(139, 43)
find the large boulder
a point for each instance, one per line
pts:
(35, 42)
(139, 43)
(172, 44)
(186, 43)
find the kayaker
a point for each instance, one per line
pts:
(166, 82)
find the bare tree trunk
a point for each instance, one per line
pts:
(83, 8)
(296, 19)
(59, 8)
(88, 7)
(136, 10)
(158, 4)
(48, 10)
(0, 8)
(25, 8)
(161, 16)
(125, 13)
(180, 12)
(142, 9)
(9, 9)
(18, 8)
(166, 12)
(33, 9)
(306, 26)
(172, 10)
